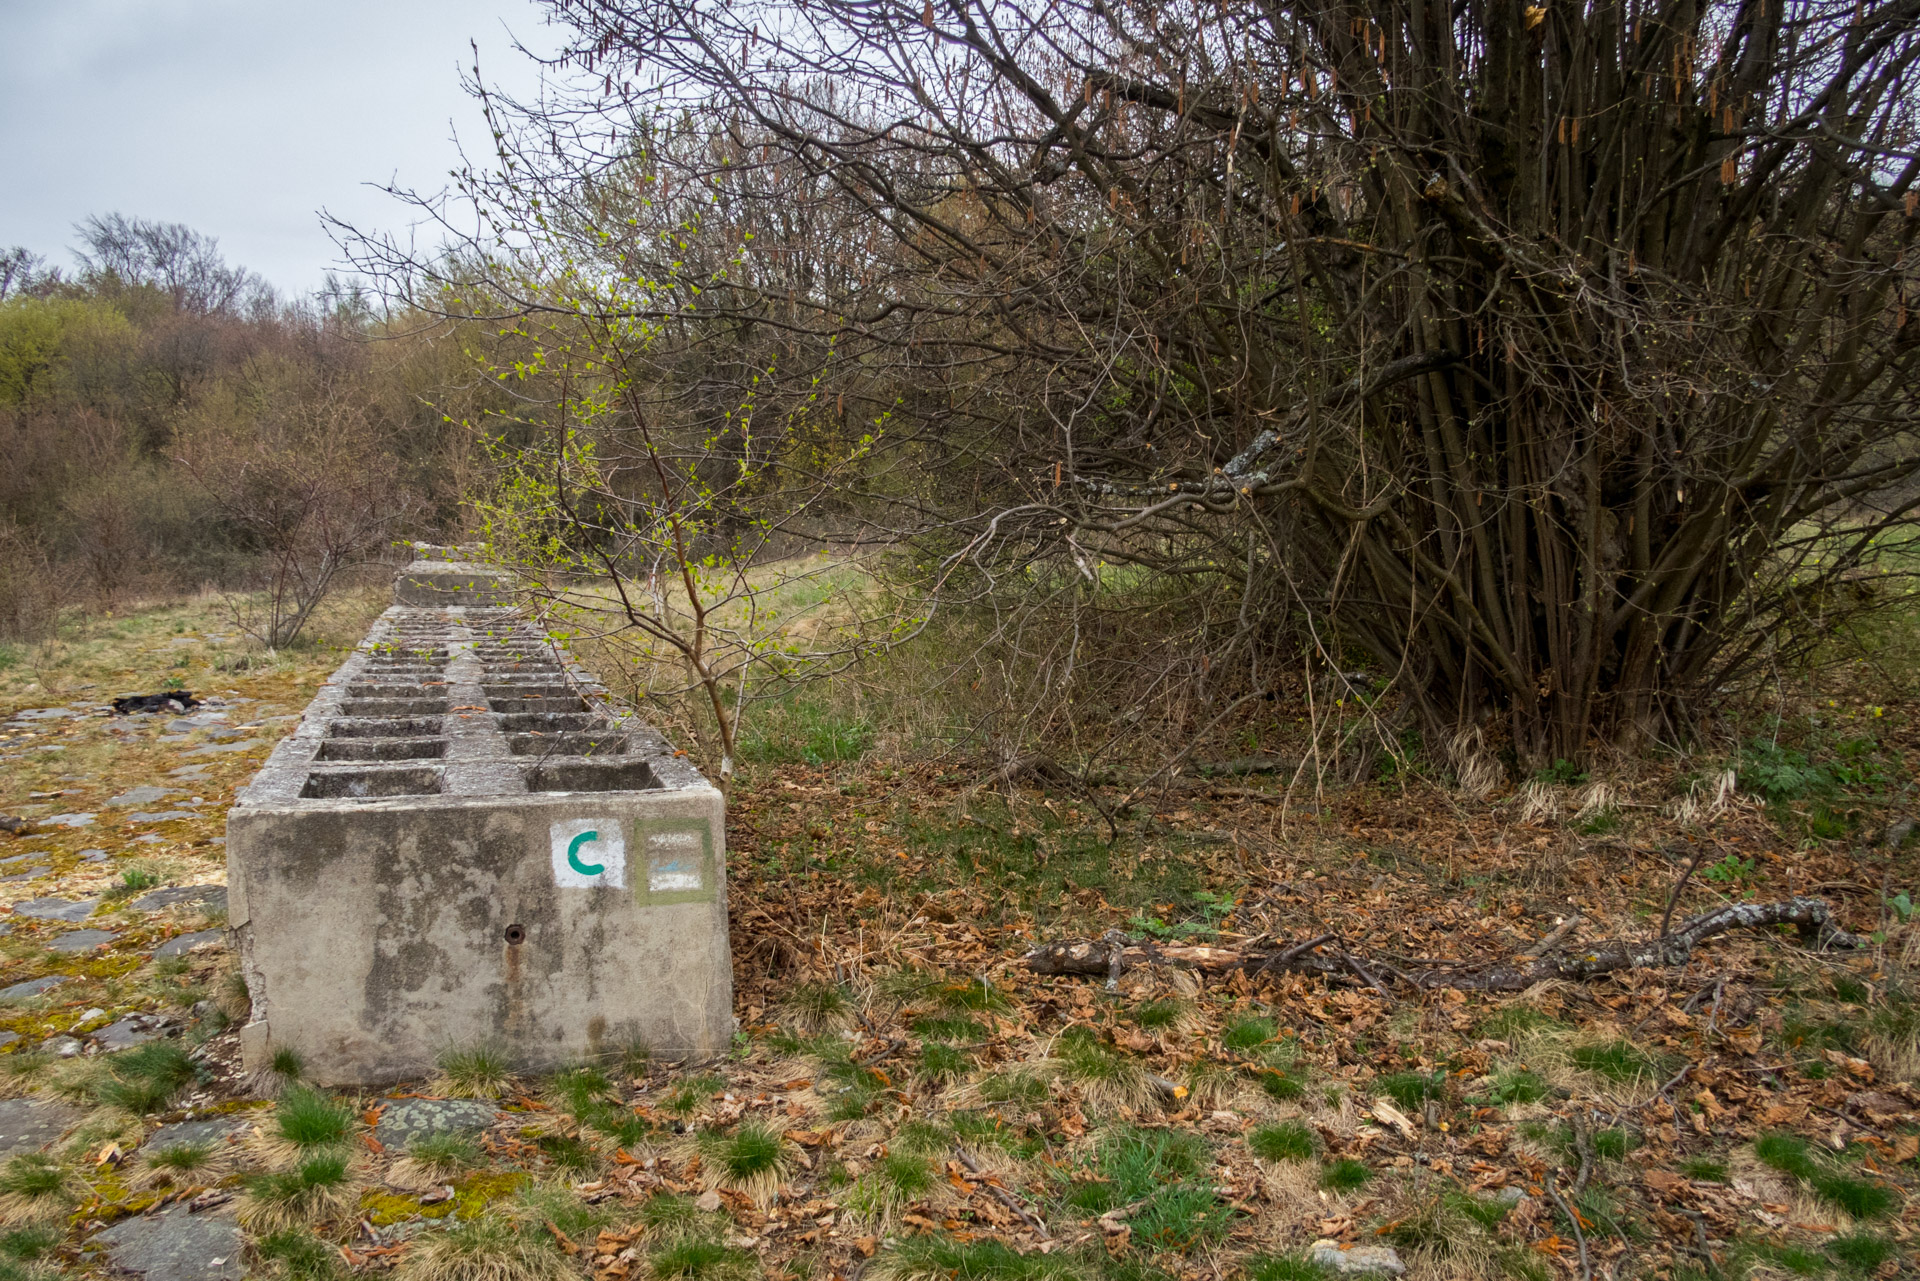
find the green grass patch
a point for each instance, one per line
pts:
(1793, 1155)
(1344, 1175)
(943, 1063)
(941, 1258)
(699, 1259)
(1158, 1016)
(307, 1118)
(1518, 1085)
(1862, 1251)
(948, 1027)
(1279, 1084)
(1510, 1022)
(472, 1072)
(146, 1078)
(1617, 1061)
(1411, 1090)
(1181, 1218)
(1247, 1035)
(1614, 1144)
(1283, 1141)
(568, 1152)
(299, 1255)
(1285, 1267)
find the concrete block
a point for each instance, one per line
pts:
(450, 576)
(462, 844)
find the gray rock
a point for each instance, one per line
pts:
(149, 838)
(161, 816)
(81, 940)
(11, 859)
(175, 1245)
(182, 1133)
(126, 1033)
(408, 1119)
(28, 1126)
(93, 856)
(66, 1046)
(1898, 832)
(47, 714)
(8, 1038)
(68, 820)
(145, 795)
(31, 988)
(249, 745)
(211, 895)
(1375, 1260)
(181, 944)
(56, 909)
(27, 875)
(187, 771)
(1509, 1196)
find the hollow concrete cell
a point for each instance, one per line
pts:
(462, 844)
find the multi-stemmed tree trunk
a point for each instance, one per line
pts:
(1558, 357)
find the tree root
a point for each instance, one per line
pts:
(1111, 956)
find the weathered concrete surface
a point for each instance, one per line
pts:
(461, 844)
(441, 576)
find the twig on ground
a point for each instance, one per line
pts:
(1811, 916)
(1553, 937)
(1005, 1197)
(1666, 917)
(1366, 977)
(1585, 1149)
(1573, 1218)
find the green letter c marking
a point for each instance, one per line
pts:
(573, 855)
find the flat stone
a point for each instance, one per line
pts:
(175, 1245)
(66, 1046)
(56, 909)
(148, 838)
(27, 1125)
(47, 714)
(31, 988)
(126, 1033)
(212, 895)
(68, 820)
(181, 944)
(81, 940)
(183, 1133)
(161, 816)
(145, 795)
(187, 771)
(409, 1119)
(93, 856)
(1375, 1260)
(8, 1038)
(27, 875)
(249, 745)
(14, 858)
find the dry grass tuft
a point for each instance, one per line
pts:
(489, 1248)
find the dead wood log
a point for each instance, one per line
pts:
(1113, 955)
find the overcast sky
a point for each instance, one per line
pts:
(240, 118)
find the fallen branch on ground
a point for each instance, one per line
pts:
(1111, 956)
